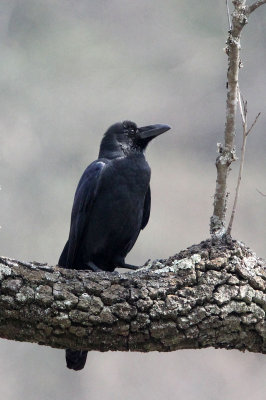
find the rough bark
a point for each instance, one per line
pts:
(227, 150)
(207, 295)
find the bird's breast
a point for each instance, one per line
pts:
(131, 174)
(122, 192)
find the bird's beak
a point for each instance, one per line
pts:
(152, 131)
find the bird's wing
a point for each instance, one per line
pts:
(83, 201)
(63, 258)
(147, 208)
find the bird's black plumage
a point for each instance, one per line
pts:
(111, 206)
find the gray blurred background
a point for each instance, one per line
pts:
(68, 70)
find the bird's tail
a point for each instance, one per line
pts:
(76, 359)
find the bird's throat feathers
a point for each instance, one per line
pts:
(111, 147)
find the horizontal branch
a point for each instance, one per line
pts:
(207, 295)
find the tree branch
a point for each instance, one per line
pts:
(227, 150)
(228, 16)
(245, 131)
(207, 295)
(254, 6)
(264, 195)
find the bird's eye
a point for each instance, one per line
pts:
(129, 128)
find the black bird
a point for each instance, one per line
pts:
(111, 206)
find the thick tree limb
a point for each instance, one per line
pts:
(204, 296)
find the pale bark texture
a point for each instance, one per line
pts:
(255, 5)
(227, 150)
(207, 295)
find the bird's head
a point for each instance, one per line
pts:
(125, 138)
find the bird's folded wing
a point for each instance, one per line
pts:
(147, 208)
(84, 198)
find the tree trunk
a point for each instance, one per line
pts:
(207, 295)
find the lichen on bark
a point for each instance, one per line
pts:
(207, 295)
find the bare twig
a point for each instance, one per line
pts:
(256, 119)
(254, 6)
(243, 112)
(243, 109)
(228, 15)
(264, 195)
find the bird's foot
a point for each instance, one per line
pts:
(93, 267)
(129, 266)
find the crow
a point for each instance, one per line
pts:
(111, 205)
